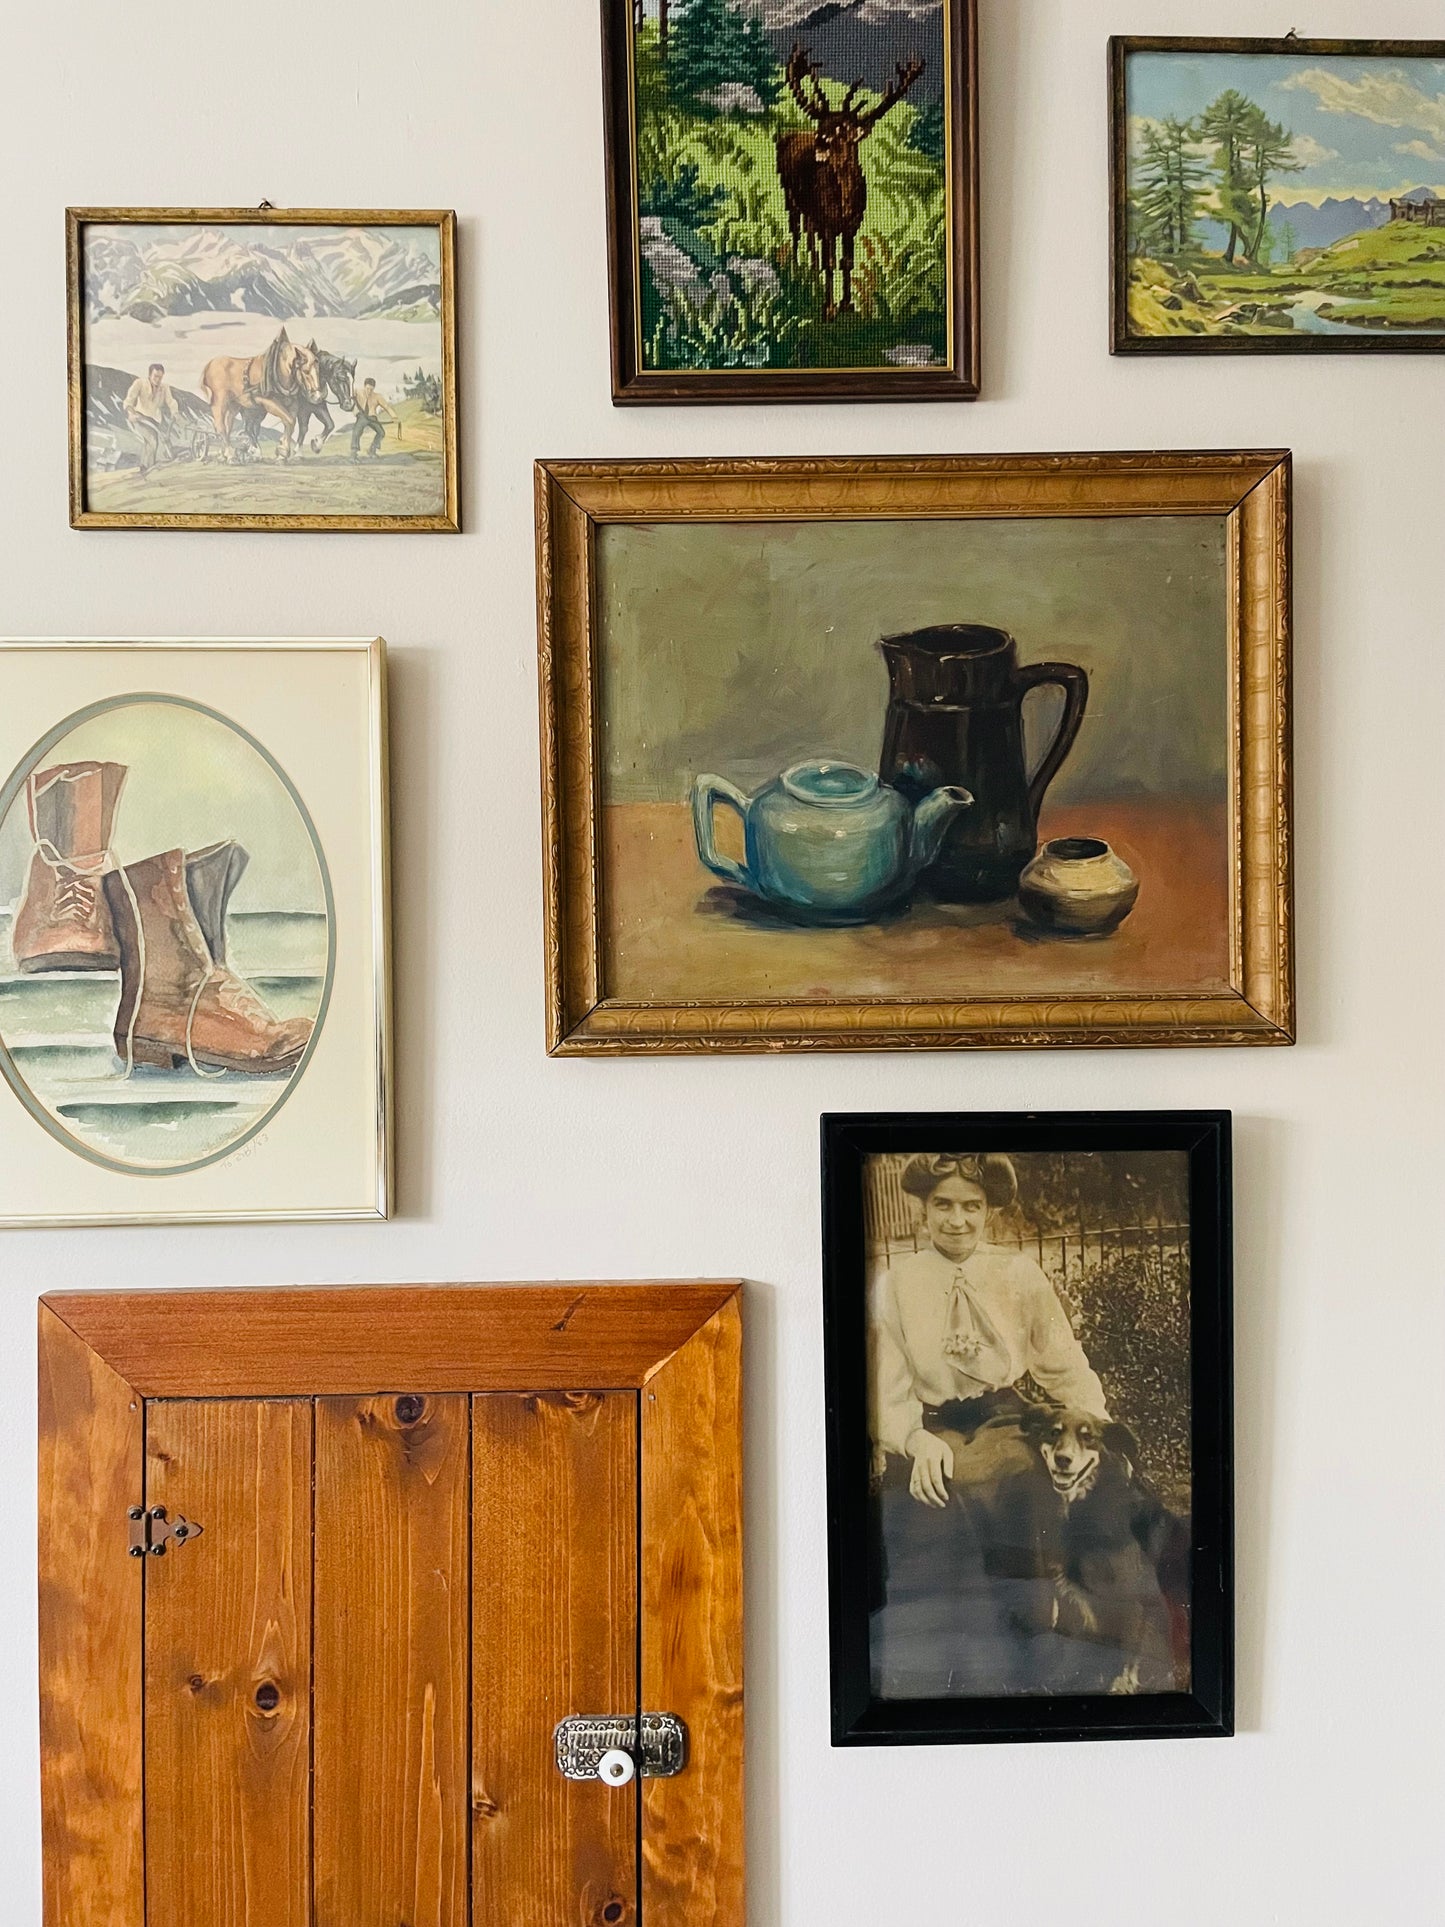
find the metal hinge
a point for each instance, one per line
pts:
(605, 1746)
(150, 1529)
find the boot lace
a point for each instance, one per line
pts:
(233, 994)
(74, 896)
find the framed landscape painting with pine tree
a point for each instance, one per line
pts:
(1277, 196)
(792, 199)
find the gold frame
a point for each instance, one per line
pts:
(379, 810)
(443, 219)
(1251, 489)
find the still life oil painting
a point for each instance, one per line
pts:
(238, 368)
(170, 923)
(793, 192)
(963, 775)
(1278, 195)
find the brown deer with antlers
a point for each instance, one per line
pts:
(823, 184)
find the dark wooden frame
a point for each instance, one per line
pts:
(857, 1718)
(102, 1355)
(1121, 341)
(631, 384)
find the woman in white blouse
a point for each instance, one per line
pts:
(956, 1326)
(952, 1329)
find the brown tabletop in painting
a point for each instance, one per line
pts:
(672, 934)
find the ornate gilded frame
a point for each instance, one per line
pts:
(574, 499)
(448, 522)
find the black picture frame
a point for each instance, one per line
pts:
(633, 385)
(1207, 1709)
(1121, 340)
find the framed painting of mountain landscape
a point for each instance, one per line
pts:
(792, 199)
(931, 752)
(194, 1011)
(1277, 196)
(236, 368)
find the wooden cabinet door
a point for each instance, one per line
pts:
(335, 1704)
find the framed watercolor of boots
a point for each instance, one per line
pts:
(194, 976)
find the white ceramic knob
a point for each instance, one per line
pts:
(616, 1767)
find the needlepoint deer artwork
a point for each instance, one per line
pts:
(796, 195)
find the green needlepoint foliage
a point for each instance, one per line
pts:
(709, 114)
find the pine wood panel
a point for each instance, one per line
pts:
(228, 1667)
(554, 1619)
(91, 1446)
(433, 1338)
(390, 1715)
(692, 1627)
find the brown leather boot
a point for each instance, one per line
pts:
(62, 922)
(211, 875)
(177, 1005)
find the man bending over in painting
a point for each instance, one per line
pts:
(369, 410)
(953, 1328)
(149, 408)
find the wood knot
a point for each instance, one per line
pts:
(614, 1910)
(197, 1682)
(485, 1807)
(409, 1408)
(268, 1696)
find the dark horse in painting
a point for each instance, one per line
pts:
(338, 381)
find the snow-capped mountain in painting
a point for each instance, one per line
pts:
(306, 272)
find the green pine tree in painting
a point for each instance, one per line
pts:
(927, 134)
(714, 44)
(1169, 182)
(1228, 123)
(1268, 150)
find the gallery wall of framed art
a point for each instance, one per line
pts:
(851, 729)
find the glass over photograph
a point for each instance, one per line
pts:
(1029, 1380)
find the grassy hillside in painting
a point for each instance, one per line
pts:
(720, 287)
(406, 478)
(1381, 278)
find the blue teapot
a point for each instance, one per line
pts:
(826, 842)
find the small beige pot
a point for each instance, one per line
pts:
(1079, 887)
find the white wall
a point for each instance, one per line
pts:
(1324, 1807)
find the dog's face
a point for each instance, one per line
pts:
(1072, 1445)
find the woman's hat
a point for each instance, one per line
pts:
(991, 1170)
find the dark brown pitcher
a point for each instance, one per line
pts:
(955, 715)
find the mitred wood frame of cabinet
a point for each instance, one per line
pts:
(104, 1355)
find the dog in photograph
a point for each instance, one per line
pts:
(1116, 1555)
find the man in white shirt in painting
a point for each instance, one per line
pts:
(150, 408)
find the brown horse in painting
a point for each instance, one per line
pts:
(276, 382)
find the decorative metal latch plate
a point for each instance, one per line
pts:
(151, 1530)
(657, 1743)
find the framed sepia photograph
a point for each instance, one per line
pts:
(244, 368)
(792, 200)
(1028, 1353)
(1277, 196)
(936, 751)
(194, 944)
